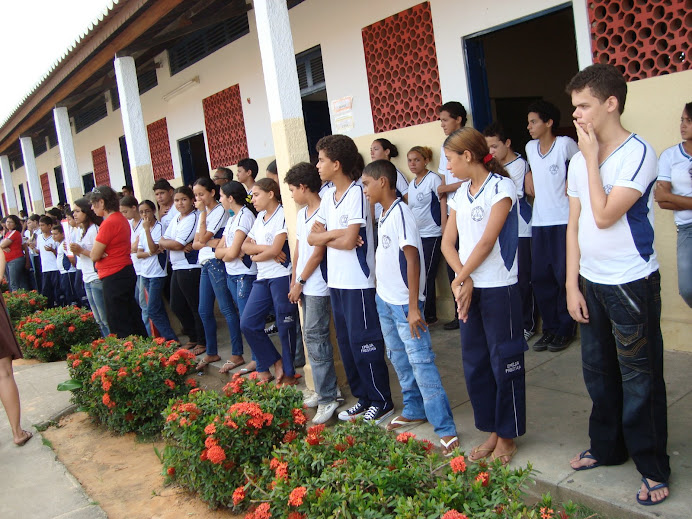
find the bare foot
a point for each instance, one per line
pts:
(656, 495)
(279, 371)
(24, 437)
(248, 368)
(582, 460)
(287, 381)
(484, 449)
(264, 376)
(505, 449)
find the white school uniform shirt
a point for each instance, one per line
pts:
(49, 262)
(264, 233)
(623, 252)
(316, 284)
(675, 166)
(550, 206)
(324, 188)
(171, 215)
(84, 263)
(154, 266)
(401, 190)
(134, 234)
(216, 223)
(424, 203)
(64, 264)
(517, 170)
(499, 269)
(27, 238)
(355, 268)
(182, 229)
(396, 230)
(243, 221)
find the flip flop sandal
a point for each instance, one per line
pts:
(189, 345)
(27, 436)
(199, 349)
(509, 455)
(230, 365)
(204, 363)
(476, 453)
(246, 371)
(586, 454)
(401, 421)
(649, 488)
(448, 447)
(265, 380)
(287, 381)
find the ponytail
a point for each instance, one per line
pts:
(236, 191)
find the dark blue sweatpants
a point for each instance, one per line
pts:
(529, 307)
(361, 344)
(492, 351)
(548, 274)
(50, 287)
(431, 257)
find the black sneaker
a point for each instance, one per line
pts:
(559, 343)
(543, 343)
(271, 330)
(378, 414)
(452, 325)
(353, 412)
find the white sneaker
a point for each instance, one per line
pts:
(325, 412)
(310, 398)
(528, 334)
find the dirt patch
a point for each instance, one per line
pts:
(25, 362)
(121, 474)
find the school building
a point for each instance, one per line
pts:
(175, 88)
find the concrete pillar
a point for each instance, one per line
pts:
(286, 113)
(70, 174)
(133, 124)
(35, 191)
(582, 32)
(10, 196)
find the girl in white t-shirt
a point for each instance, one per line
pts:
(266, 244)
(484, 214)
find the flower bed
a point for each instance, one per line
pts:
(48, 335)
(4, 286)
(127, 383)
(22, 303)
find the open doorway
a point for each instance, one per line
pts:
(88, 182)
(22, 199)
(512, 65)
(193, 158)
(313, 91)
(126, 162)
(60, 184)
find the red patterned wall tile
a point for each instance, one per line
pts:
(225, 125)
(101, 175)
(160, 149)
(45, 187)
(401, 63)
(643, 38)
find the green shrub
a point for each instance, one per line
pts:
(22, 303)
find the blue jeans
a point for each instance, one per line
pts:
(316, 312)
(18, 278)
(414, 362)
(685, 262)
(156, 309)
(240, 286)
(94, 292)
(141, 299)
(213, 286)
(622, 360)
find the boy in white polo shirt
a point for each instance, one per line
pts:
(613, 284)
(400, 300)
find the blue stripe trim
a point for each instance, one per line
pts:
(683, 152)
(403, 267)
(616, 150)
(192, 231)
(384, 215)
(266, 222)
(639, 167)
(538, 147)
(640, 226)
(362, 252)
(417, 184)
(403, 221)
(337, 204)
(485, 182)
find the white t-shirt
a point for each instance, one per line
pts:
(84, 263)
(182, 229)
(355, 268)
(216, 223)
(551, 205)
(62, 259)
(243, 221)
(517, 170)
(472, 213)
(154, 266)
(623, 252)
(316, 284)
(27, 238)
(675, 166)
(49, 262)
(171, 215)
(396, 230)
(401, 190)
(136, 262)
(424, 203)
(324, 188)
(264, 233)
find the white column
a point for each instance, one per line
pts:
(35, 191)
(133, 124)
(582, 33)
(70, 173)
(10, 196)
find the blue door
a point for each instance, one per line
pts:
(478, 83)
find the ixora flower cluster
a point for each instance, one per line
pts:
(48, 335)
(126, 383)
(22, 303)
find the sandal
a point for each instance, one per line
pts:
(189, 346)
(246, 370)
(205, 362)
(230, 365)
(448, 447)
(479, 453)
(287, 381)
(586, 454)
(27, 437)
(199, 349)
(649, 488)
(402, 421)
(509, 455)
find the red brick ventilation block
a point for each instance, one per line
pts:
(401, 63)
(45, 187)
(643, 38)
(101, 175)
(160, 149)
(225, 125)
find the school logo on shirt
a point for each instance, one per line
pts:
(269, 238)
(343, 220)
(554, 169)
(386, 241)
(477, 213)
(420, 197)
(608, 188)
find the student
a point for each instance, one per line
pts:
(154, 262)
(78, 280)
(501, 148)
(247, 173)
(343, 225)
(47, 248)
(30, 234)
(127, 191)
(163, 192)
(674, 192)
(484, 213)
(400, 300)
(241, 271)
(424, 202)
(129, 207)
(178, 240)
(267, 246)
(272, 171)
(309, 288)
(383, 149)
(66, 268)
(14, 253)
(88, 224)
(548, 158)
(222, 176)
(212, 281)
(613, 284)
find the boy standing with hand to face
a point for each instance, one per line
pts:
(400, 300)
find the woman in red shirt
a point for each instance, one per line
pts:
(111, 257)
(14, 253)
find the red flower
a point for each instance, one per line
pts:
(484, 477)
(159, 340)
(192, 383)
(350, 440)
(281, 470)
(71, 329)
(427, 445)
(238, 495)
(76, 363)
(171, 471)
(216, 455)
(296, 496)
(169, 383)
(210, 442)
(340, 462)
(106, 384)
(341, 447)
(299, 417)
(458, 464)
(453, 514)
(32, 302)
(315, 434)
(546, 513)
(39, 331)
(296, 515)
(203, 455)
(171, 417)
(261, 512)
(404, 437)
(181, 369)
(290, 436)
(210, 429)
(106, 399)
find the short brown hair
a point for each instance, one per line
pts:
(603, 80)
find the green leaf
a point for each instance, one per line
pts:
(70, 385)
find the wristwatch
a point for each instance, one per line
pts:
(301, 280)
